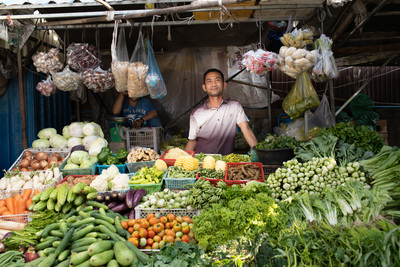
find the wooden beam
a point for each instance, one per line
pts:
(343, 25)
(368, 48)
(22, 99)
(363, 58)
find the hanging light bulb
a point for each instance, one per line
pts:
(336, 3)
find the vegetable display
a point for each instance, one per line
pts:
(277, 142)
(39, 161)
(142, 154)
(111, 179)
(203, 195)
(244, 172)
(165, 199)
(180, 172)
(147, 176)
(18, 204)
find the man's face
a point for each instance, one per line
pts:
(214, 85)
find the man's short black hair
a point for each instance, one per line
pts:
(212, 70)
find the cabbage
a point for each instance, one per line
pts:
(69, 161)
(65, 132)
(71, 166)
(88, 140)
(93, 159)
(97, 145)
(41, 143)
(86, 163)
(74, 141)
(58, 141)
(47, 133)
(78, 156)
(75, 129)
(91, 128)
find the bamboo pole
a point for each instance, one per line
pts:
(22, 99)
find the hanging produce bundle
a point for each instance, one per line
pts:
(98, 80)
(301, 98)
(67, 80)
(297, 38)
(325, 67)
(47, 62)
(46, 87)
(260, 61)
(295, 61)
(82, 56)
(120, 59)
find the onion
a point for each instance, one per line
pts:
(35, 165)
(25, 163)
(23, 170)
(42, 156)
(53, 162)
(27, 154)
(31, 254)
(44, 164)
(58, 155)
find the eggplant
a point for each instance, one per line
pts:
(107, 197)
(120, 208)
(100, 198)
(138, 196)
(114, 194)
(121, 196)
(131, 214)
(129, 198)
(104, 202)
(113, 204)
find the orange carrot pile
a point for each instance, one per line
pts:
(19, 204)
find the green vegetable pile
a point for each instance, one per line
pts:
(361, 136)
(180, 172)
(212, 174)
(201, 156)
(277, 142)
(174, 142)
(12, 259)
(236, 158)
(203, 194)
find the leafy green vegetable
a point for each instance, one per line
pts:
(277, 142)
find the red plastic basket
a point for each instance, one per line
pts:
(212, 181)
(232, 182)
(171, 162)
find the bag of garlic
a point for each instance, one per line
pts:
(120, 59)
(137, 70)
(67, 80)
(154, 81)
(301, 98)
(47, 62)
(46, 87)
(98, 80)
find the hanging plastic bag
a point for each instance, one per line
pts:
(322, 117)
(297, 38)
(46, 87)
(120, 59)
(326, 67)
(67, 80)
(137, 70)
(79, 95)
(82, 56)
(301, 98)
(98, 80)
(260, 61)
(47, 62)
(154, 81)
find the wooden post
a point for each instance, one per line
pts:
(332, 98)
(269, 103)
(22, 99)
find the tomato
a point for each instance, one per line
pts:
(155, 245)
(179, 219)
(151, 234)
(136, 227)
(163, 219)
(185, 229)
(170, 232)
(150, 215)
(177, 227)
(187, 219)
(130, 229)
(157, 228)
(157, 238)
(185, 238)
(153, 220)
(168, 225)
(124, 225)
(144, 224)
(170, 217)
(143, 232)
(135, 234)
(170, 239)
(131, 222)
(135, 241)
(150, 242)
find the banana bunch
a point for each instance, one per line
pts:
(297, 38)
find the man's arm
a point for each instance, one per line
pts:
(191, 145)
(150, 115)
(248, 134)
(117, 108)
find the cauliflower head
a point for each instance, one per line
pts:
(120, 182)
(99, 184)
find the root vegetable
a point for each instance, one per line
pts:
(27, 154)
(42, 156)
(25, 163)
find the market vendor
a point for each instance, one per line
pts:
(138, 111)
(213, 124)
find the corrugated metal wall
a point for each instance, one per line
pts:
(382, 89)
(41, 112)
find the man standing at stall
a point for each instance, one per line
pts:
(213, 124)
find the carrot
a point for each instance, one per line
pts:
(16, 197)
(2, 203)
(7, 213)
(20, 207)
(28, 203)
(27, 194)
(10, 205)
(36, 191)
(2, 210)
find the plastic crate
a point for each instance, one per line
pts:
(121, 167)
(142, 213)
(11, 193)
(171, 162)
(63, 152)
(135, 166)
(178, 183)
(150, 137)
(232, 182)
(85, 171)
(21, 218)
(212, 181)
(150, 188)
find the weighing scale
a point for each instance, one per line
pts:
(118, 133)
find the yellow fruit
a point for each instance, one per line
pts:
(190, 163)
(161, 165)
(209, 162)
(179, 161)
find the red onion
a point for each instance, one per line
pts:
(31, 254)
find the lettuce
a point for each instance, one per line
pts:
(78, 156)
(91, 128)
(75, 129)
(65, 132)
(74, 141)
(47, 133)
(97, 145)
(58, 141)
(41, 143)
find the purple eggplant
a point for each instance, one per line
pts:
(138, 196)
(129, 198)
(131, 214)
(114, 195)
(107, 197)
(120, 208)
(104, 202)
(113, 204)
(100, 198)
(121, 196)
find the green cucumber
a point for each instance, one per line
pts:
(83, 214)
(121, 231)
(85, 264)
(89, 190)
(78, 258)
(82, 232)
(64, 263)
(49, 250)
(34, 263)
(66, 207)
(113, 263)
(123, 254)
(99, 247)
(105, 223)
(69, 214)
(49, 260)
(89, 220)
(96, 204)
(57, 233)
(91, 196)
(46, 244)
(80, 249)
(88, 208)
(64, 242)
(102, 217)
(113, 236)
(56, 243)
(63, 255)
(142, 257)
(79, 200)
(64, 227)
(83, 242)
(102, 258)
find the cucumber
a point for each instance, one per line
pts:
(99, 247)
(78, 258)
(46, 244)
(96, 204)
(53, 226)
(92, 234)
(83, 242)
(64, 263)
(102, 258)
(82, 232)
(123, 254)
(88, 208)
(57, 207)
(72, 219)
(91, 196)
(46, 194)
(49, 250)
(102, 217)
(53, 194)
(142, 257)
(78, 223)
(36, 198)
(63, 255)
(34, 263)
(64, 242)
(50, 204)
(48, 261)
(88, 190)
(113, 263)
(81, 207)
(64, 227)
(105, 223)
(80, 249)
(71, 196)
(66, 207)
(71, 213)
(121, 231)
(56, 243)
(113, 236)
(85, 264)
(57, 233)
(79, 200)
(76, 189)
(83, 214)
(102, 211)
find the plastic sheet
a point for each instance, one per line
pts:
(325, 67)
(98, 80)
(260, 61)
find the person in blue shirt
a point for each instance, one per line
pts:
(139, 111)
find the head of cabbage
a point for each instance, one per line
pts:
(41, 143)
(58, 141)
(78, 156)
(91, 128)
(97, 145)
(71, 166)
(47, 133)
(65, 132)
(74, 141)
(88, 140)
(75, 129)
(86, 163)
